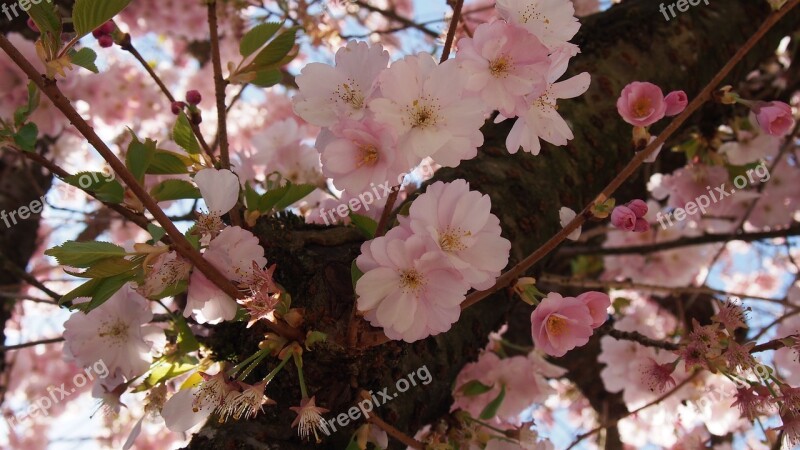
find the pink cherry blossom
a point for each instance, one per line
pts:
(116, 333)
(233, 252)
(774, 118)
(552, 21)
(676, 102)
(407, 289)
(560, 324)
(330, 93)
(539, 117)
(623, 218)
(598, 304)
(638, 206)
(523, 379)
(425, 105)
(641, 225)
(362, 153)
(461, 224)
(504, 62)
(641, 104)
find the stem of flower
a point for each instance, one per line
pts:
(298, 361)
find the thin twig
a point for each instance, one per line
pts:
(397, 18)
(390, 430)
(30, 344)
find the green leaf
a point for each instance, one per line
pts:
(352, 445)
(183, 135)
(99, 289)
(23, 112)
(364, 224)
(48, 21)
(257, 37)
(156, 232)
(26, 137)
(90, 14)
(355, 273)
(174, 190)
(295, 193)
(491, 409)
(473, 388)
(167, 163)
(267, 78)
(107, 267)
(85, 58)
(186, 340)
(139, 156)
(84, 254)
(104, 187)
(251, 197)
(274, 52)
(165, 370)
(271, 198)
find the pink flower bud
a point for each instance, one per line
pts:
(193, 97)
(108, 27)
(774, 118)
(32, 25)
(641, 226)
(98, 33)
(177, 107)
(639, 207)
(105, 41)
(623, 218)
(598, 303)
(641, 104)
(676, 102)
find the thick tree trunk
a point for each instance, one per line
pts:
(630, 42)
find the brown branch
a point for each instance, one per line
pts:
(30, 344)
(397, 18)
(127, 45)
(390, 430)
(793, 230)
(635, 336)
(451, 32)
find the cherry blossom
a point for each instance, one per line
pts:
(461, 224)
(642, 104)
(425, 105)
(116, 333)
(407, 289)
(504, 62)
(329, 93)
(774, 118)
(552, 21)
(559, 324)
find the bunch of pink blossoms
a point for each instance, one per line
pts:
(559, 324)
(417, 275)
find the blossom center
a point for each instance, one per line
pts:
(450, 239)
(556, 325)
(423, 115)
(369, 155)
(501, 66)
(642, 107)
(350, 95)
(411, 280)
(116, 332)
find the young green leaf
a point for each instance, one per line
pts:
(103, 290)
(168, 163)
(491, 409)
(355, 273)
(139, 156)
(183, 135)
(84, 254)
(296, 192)
(85, 58)
(257, 37)
(365, 224)
(267, 78)
(174, 190)
(274, 52)
(473, 388)
(26, 137)
(156, 232)
(90, 14)
(107, 267)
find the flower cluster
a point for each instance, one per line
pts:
(559, 324)
(631, 216)
(417, 275)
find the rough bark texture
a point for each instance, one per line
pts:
(20, 184)
(629, 42)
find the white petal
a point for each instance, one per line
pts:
(220, 189)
